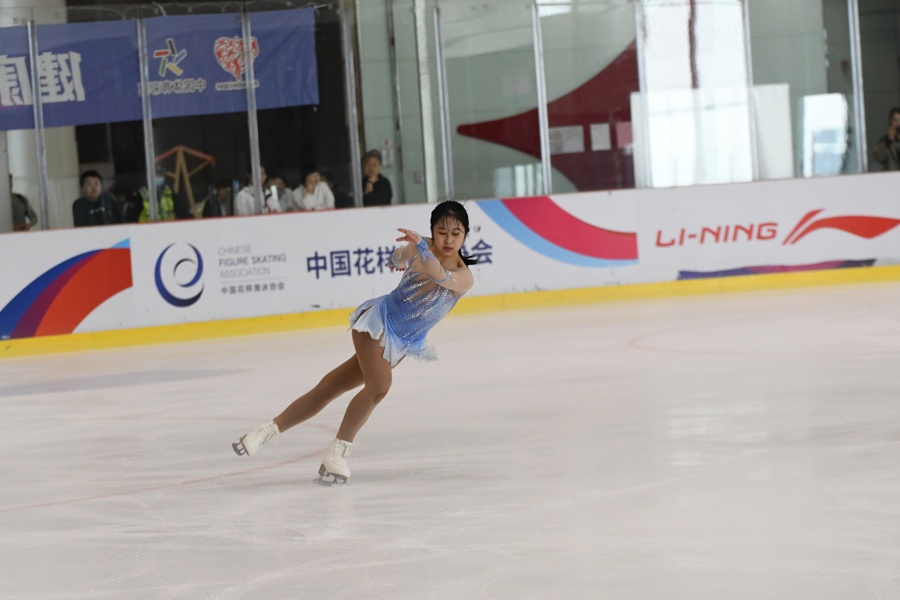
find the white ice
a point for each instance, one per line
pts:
(732, 447)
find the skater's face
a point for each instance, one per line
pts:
(448, 235)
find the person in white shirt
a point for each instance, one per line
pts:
(284, 194)
(245, 202)
(314, 194)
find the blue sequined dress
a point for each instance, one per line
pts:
(401, 319)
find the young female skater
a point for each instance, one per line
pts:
(384, 330)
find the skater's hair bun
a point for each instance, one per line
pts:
(451, 209)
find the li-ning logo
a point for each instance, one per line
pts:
(170, 58)
(178, 274)
(863, 226)
(858, 225)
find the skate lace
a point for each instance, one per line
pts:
(265, 435)
(340, 452)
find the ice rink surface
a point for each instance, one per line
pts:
(740, 446)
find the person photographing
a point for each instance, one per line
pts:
(887, 150)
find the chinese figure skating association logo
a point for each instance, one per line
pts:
(179, 275)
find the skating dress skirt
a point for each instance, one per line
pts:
(400, 320)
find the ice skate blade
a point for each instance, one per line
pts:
(239, 449)
(336, 480)
(329, 479)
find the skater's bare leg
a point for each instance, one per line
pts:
(342, 379)
(376, 372)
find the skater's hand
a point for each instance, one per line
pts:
(407, 252)
(409, 236)
(393, 268)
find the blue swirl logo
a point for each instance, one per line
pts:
(178, 275)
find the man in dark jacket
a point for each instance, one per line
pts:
(218, 204)
(94, 207)
(376, 187)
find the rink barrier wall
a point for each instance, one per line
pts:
(201, 278)
(188, 332)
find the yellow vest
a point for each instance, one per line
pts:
(166, 204)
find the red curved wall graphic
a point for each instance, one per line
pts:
(605, 98)
(101, 277)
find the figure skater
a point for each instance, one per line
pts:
(384, 330)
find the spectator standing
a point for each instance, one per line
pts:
(887, 150)
(314, 194)
(93, 207)
(170, 205)
(283, 194)
(128, 203)
(24, 217)
(245, 203)
(219, 204)
(377, 189)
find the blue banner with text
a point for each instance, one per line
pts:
(89, 72)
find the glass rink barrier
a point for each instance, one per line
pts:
(437, 98)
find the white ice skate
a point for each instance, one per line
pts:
(334, 467)
(258, 437)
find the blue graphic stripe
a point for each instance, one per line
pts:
(768, 270)
(502, 216)
(13, 312)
